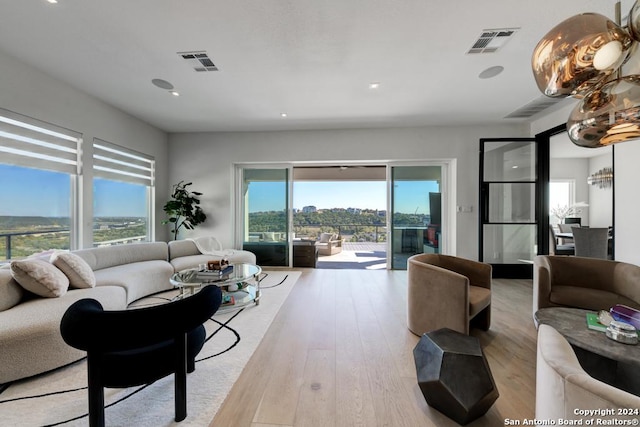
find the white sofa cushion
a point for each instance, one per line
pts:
(40, 277)
(10, 291)
(30, 336)
(139, 279)
(75, 268)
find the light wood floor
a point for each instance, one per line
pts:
(339, 354)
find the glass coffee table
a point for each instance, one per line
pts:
(240, 287)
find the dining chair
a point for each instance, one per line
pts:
(567, 228)
(556, 249)
(591, 242)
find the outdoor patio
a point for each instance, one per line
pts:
(356, 255)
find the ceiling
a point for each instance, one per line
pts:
(311, 59)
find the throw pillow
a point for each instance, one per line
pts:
(40, 277)
(325, 237)
(75, 268)
(10, 292)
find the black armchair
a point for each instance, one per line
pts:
(139, 346)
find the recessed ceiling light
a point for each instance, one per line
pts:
(283, 114)
(162, 84)
(491, 72)
(374, 85)
(53, 1)
(174, 92)
(514, 167)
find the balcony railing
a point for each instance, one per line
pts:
(51, 242)
(350, 232)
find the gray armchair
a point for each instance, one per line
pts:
(588, 283)
(562, 385)
(447, 292)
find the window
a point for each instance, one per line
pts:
(561, 199)
(39, 165)
(123, 191)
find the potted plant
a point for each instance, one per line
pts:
(183, 209)
(561, 212)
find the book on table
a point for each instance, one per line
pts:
(215, 275)
(228, 300)
(594, 323)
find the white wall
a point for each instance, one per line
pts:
(627, 202)
(600, 199)
(206, 159)
(27, 91)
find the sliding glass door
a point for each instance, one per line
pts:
(417, 219)
(265, 214)
(416, 212)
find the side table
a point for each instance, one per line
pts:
(454, 375)
(305, 253)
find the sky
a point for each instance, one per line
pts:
(411, 196)
(34, 192)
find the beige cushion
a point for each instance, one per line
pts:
(325, 237)
(587, 298)
(479, 299)
(40, 277)
(10, 291)
(75, 268)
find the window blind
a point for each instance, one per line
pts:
(29, 142)
(111, 161)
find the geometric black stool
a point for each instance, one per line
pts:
(454, 375)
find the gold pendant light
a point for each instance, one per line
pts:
(578, 54)
(607, 115)
(579, 58)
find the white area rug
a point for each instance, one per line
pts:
(60, 397)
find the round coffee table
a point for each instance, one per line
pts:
(607, 360)
(239, 288)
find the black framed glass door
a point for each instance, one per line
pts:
(510, 195)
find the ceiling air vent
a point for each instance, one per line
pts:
(199, 60)
(492, 40)
(534, 107)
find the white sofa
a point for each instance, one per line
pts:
(185, 254)
(30, 340)
(563, 387)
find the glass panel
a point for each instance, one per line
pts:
(35, 208)
(416, 212)
(353, 210)
(265, 215)
(120, 212)
(509, 161)
(512, 203)
(509, 244)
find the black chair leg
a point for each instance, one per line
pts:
(181, 378)
(96, 392)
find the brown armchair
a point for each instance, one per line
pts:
(447, 292)
(589, 283)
